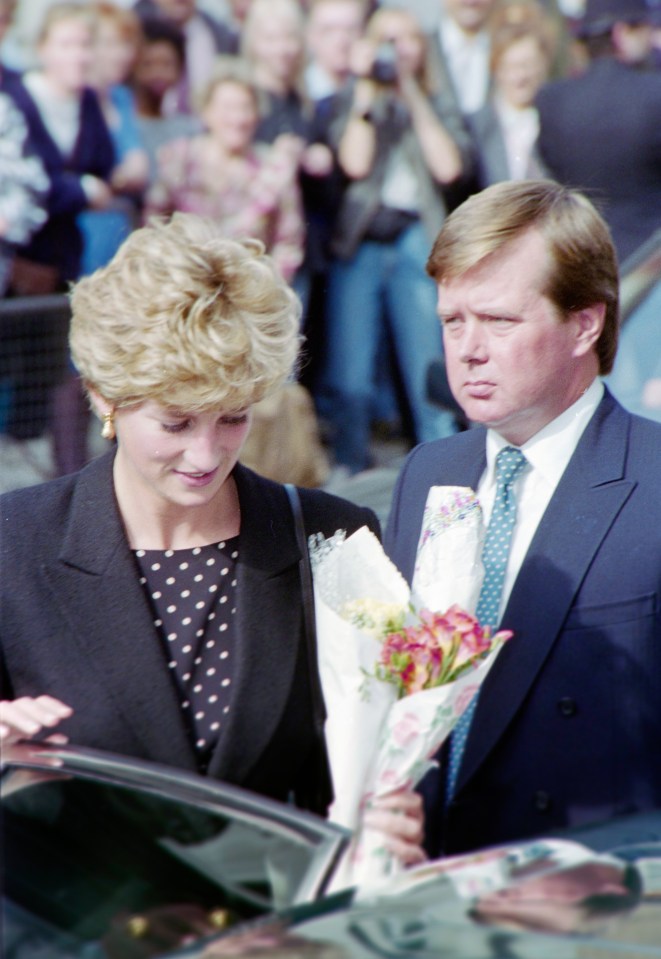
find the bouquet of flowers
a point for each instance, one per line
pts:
(398, 666)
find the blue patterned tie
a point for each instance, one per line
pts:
(495, 552)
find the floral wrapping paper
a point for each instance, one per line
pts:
(376, 742)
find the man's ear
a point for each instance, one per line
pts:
(589, 326)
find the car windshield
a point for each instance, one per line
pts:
(98, 870)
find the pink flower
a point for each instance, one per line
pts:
(436, 650)
(406, 730)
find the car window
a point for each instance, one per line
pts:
(106, 871)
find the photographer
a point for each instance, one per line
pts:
(398, 144)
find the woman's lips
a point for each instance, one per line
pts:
(196, 479)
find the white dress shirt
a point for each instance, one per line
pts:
(548, 452)
(467, 58)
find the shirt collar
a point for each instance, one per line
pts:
(453, 38)
(550, 450)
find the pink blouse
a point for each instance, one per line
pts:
(260, 199)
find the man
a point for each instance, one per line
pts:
(332, 29)
(601, 131)
(460, 49)
(567, 727)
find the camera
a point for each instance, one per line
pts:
(384, 67)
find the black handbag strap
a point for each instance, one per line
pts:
(318, 707)
(318, 794)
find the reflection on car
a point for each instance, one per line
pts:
(112, 858)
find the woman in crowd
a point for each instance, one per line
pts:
(158, 68)
(398, 143)
(505, 130)
(154, 607)
(117, 39)
(273, 43)
(250, 189)
(23, 187)
(68, 131)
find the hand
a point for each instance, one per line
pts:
(400, 817)
(26, 717)
(317, 160)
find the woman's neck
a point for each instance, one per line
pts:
(153, 523)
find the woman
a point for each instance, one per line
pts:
(273, 44)
(159, 67)
(249, 189)
(117, 39)
(154, 607)
(506, 128)
(398, 144)
(69, 133)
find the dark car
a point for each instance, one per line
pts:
(110, 858)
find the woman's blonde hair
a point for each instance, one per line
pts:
(61, 12)
(187, 318)
(229, 68)
(265, 11)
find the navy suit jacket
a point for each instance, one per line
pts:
(601, 133)
(75, 623)
(568, 725)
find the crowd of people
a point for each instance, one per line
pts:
(339, 132)
(157, 604)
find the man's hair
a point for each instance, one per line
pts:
(583, 259)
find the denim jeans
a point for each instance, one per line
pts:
(383, 283)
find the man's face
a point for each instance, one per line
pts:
(470, 15)
(513, 363)
(333, 28)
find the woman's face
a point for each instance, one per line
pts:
(158, 68)
(170, 458)
(521, 70)
(276, 47)
(67, 54)
(231, 116)
(114, 55)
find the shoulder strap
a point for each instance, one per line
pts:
(322, 790)
(308, 603)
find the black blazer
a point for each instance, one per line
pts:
(75, 623)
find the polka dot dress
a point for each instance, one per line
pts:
(192, 594)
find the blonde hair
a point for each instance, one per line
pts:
(231, 69)
(265, 11)
(123, 19)
(187, 318)
(583, 261)
(61, 12)
(519, 21)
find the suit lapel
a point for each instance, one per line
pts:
(589, 497)
(95, 584)
(268, 626)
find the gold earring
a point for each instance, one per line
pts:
(108, 428)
